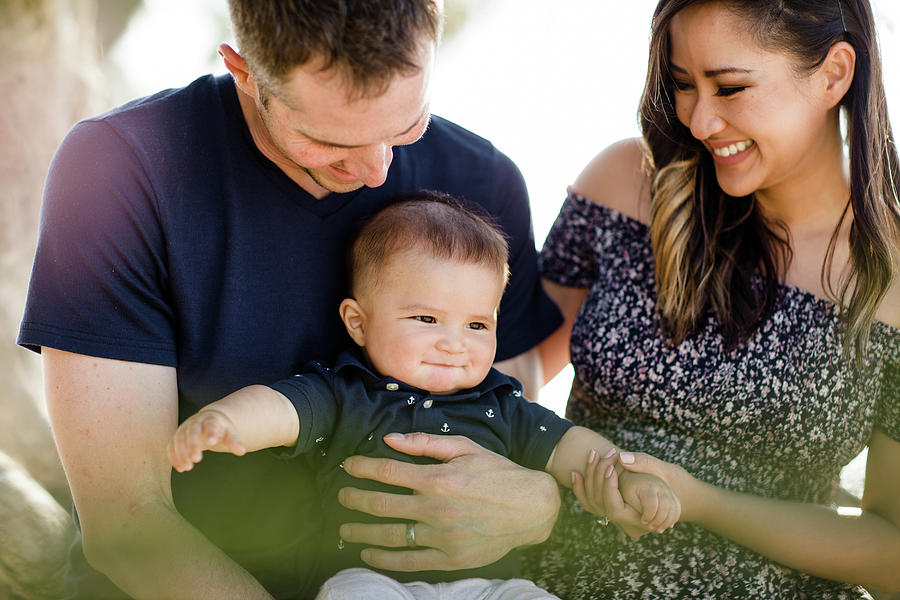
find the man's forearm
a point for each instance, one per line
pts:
(159, 555)
(525, 367)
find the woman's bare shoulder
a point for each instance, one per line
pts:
(617, 179)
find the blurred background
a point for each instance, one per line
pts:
(551, 84)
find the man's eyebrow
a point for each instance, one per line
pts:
(713, 72)
(334, 145)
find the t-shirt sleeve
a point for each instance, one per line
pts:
(569, 255)
(888, 407)
(527, 315)
(536, 430)
(314, 399)
(99, 280)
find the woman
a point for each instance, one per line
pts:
(739, 291)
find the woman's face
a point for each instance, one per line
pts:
(764, 124)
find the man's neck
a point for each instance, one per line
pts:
(264, 143)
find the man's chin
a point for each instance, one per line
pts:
(338, 187)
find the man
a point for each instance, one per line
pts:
(193, 243)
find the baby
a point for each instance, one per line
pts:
(427, 278)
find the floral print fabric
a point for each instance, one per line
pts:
(778, 416)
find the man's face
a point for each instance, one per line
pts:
(329, 143)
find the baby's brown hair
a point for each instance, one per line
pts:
(431, 222)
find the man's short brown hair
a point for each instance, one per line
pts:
(430, 223)
(369, 42)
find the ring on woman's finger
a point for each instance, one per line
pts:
(603, 521)
(411, 534)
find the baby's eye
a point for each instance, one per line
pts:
(478, 326)
(425, 318)
(730, 91)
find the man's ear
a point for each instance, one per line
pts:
(837, 70)
(239, 70)
(354, 319)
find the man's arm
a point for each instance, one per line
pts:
(111, 422)
(554, 351)
(525, 367)
(544, 362)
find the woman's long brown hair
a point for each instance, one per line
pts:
(717, 253)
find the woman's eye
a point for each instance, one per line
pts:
(730, 91)
(681, 86)
(424, 318)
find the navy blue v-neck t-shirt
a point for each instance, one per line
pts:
(167, 237)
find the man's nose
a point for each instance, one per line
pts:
(371, 163)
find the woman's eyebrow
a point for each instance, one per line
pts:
(714, 72)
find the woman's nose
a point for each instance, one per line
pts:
(705, 120)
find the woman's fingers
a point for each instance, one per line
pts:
(620, 513)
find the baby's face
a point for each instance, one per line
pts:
(432, 323)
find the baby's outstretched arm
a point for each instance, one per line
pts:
(252, 418)
(586, 461)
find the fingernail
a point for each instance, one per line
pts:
(609, 471)
(592, 456)
(626, 457)
(344, 531)
(573, 477)
(394, 436)
(610, 452)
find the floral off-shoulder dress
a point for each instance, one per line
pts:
(779, 417)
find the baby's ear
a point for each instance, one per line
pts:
(354, 319)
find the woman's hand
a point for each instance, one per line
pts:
(469, 511)
(599, 493)
(688, 489)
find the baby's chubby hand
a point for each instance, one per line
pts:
(209, 429)
(637, 505)
(652, 497)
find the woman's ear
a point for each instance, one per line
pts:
(354, 319)
(237, 66)
(837, 70)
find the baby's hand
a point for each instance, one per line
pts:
(598, 492)
(652, 497)
(209, 429)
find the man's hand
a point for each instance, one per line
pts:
(470, 510)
